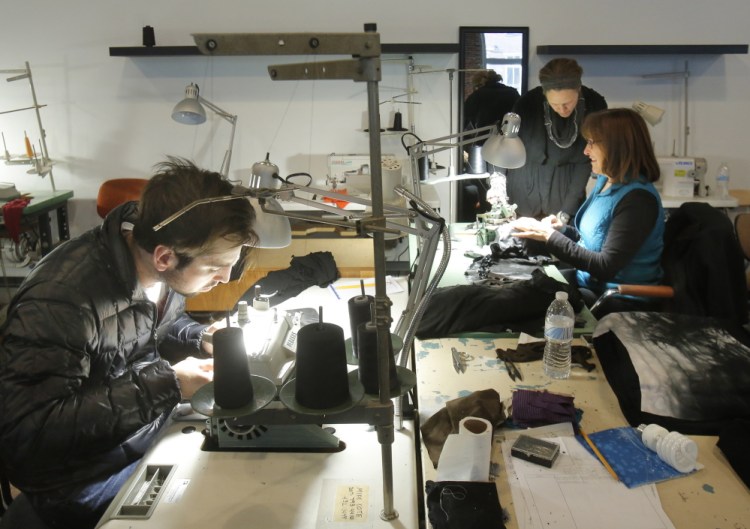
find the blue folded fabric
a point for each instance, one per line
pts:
(633, 462)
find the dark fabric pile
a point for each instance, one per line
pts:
(317, 268)
(533, 351)
(516, 307)
(733, 443)
(704, 263)
(463, 505)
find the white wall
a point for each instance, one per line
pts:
(108, 117)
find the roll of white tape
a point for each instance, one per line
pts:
(475, 426)
(466, 455)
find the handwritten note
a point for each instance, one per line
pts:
(351, 503)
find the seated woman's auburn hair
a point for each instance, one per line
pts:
(626, 144)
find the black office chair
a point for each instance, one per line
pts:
(703, 266)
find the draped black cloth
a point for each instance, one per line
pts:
(519, 306)
(317, 268)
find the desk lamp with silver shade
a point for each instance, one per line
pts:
(502, 148)
(190, 111)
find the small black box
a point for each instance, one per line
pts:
(535, 450)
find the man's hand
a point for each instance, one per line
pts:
(193, 373)
(207, 343)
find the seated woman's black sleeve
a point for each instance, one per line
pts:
(632, 222)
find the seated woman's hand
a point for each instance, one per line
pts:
(553, 221)
(529, 228)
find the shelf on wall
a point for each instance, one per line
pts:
(419, 48)
(154, 51)
(641, 49)
(169, 51)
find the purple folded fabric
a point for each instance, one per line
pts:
(538, 408)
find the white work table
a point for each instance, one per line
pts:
(282, 490)
(713, 497)
(715, 201)
(275, 489)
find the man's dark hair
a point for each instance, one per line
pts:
(177, 183)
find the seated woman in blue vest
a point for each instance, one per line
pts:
(617, 234)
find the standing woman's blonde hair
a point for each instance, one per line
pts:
(485, 77)
(626, 143)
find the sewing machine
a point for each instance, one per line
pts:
(683, 177)
(276, 467)
(270, 341)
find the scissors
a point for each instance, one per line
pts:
(513, 372)
(459, 360)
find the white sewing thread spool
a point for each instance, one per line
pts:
(243, 317)
(391, 177)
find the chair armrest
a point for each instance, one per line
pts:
(650, 291)
(647, 291)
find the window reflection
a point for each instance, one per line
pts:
(505, 50)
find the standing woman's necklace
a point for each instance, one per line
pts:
(560, 142)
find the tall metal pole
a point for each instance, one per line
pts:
(42, 132)
(686, 75)
(382, 303)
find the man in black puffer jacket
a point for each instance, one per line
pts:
(97, 350)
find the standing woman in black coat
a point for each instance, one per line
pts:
(489, 101)
(553, 180)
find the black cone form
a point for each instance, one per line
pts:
(322, 380)
(149, 39)
(368, 359)
(424, 168)
(232, 385)
(397, 123)
(360, 311)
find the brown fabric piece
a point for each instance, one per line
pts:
(484, 404)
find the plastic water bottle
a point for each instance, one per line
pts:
(558, 333)
(722, 181)
(678, 451)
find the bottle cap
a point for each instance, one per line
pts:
(561, 296)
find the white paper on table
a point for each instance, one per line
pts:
(347, 288)
(527, 338)
(578, 493)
